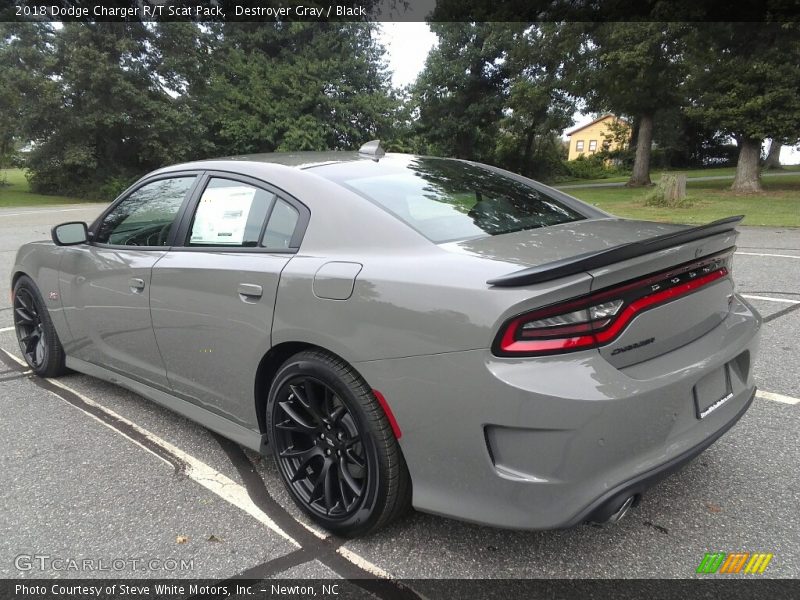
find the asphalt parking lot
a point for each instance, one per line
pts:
(89, 470)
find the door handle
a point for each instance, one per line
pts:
(250, 290)
(137, 285)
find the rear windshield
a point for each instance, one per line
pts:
(448, 200)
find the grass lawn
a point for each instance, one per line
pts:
(690, 174)
(777, 206)
(17, 192)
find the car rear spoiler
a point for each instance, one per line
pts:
(602, 258)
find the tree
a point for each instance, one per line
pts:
(461, 92)
(100, 115)
(23, 58)
(107, 102)
(538, 106)
(9, 101)
(494, 92)
(295, 86)
(743, 81)
(632, 69)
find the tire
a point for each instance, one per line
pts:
(334, 447)
(36, 335)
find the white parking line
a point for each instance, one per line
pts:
(4, 329)
(13, 357)
(775, 255)
(197, 470)
(363, 563)
(207, 476)
(770, 299)
(236, 494)
(777, 397)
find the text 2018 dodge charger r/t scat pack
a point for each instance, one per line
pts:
(401, 330)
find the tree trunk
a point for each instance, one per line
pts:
(641, 164)
(773, 160)
(674, 188)
(464, 145)
(748, 179)
(527, 152)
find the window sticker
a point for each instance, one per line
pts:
(222, 215)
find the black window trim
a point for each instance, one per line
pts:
(197, 174)
(180, 241)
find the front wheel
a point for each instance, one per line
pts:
(334, 447)
(36, 334)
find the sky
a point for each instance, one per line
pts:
(407, 46)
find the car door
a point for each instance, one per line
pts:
(212, 295)
(105, 284)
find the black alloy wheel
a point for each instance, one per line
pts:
(319, 448)
(334, 447)
(36, 334)
(30, 330)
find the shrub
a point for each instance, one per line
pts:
(596, 166)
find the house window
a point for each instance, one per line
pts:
(592, 145)
(579, 146)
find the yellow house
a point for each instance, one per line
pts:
(609, 132)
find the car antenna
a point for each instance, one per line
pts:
(372, 150)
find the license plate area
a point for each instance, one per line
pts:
(712, 391)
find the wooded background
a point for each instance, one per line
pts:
(88, 107)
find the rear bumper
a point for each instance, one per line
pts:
(550, 442)
(607, 504)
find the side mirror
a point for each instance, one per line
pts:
(70, 234)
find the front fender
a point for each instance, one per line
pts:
(41, 261)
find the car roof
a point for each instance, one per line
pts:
(300, 160)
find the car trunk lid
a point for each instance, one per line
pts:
(536, 247)
(674, 280)
(700, 298)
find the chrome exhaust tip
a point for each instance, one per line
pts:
(611, 512)
(621, 511)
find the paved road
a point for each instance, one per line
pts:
(89, 470)
(575, 186)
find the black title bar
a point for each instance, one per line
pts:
(732, 588)
(400, 10)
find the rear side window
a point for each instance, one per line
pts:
(281, 226)
(146, 216)
(448, 200)
(230, 213)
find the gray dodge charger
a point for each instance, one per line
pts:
(404, 331)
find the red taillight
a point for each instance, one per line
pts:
(597, 319)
